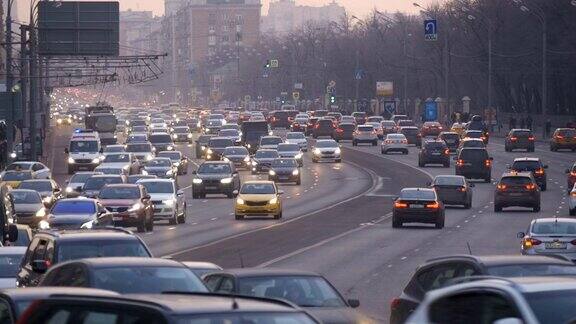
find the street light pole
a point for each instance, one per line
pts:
(9, 84)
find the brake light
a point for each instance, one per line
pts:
(539, 171)
(573, 173)
(487, 163)
(399, 204)
(573, 194)
(374, 133)
(513, 138)
(394, 303)
(531, 138)
(273, 119)
(529, 242)
(463, 189)
(501, 187)
(388, 141)
(404, 141)
(339, 130)
(440, 127)
(447, 151)
(573, 242)
(434, 205)
(530, 186)
(559, 137)
(483, 138)
(316, 126)
(460, 163)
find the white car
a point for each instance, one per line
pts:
(269, 142)
(327, 149)
(394, 143)
(169, 202)
(126, 161)
(111, 149)
(76, 182)
(10, 258)
(39, 170)
(143, 151)
(297, 138)
(572, 201)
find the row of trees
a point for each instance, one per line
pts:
(391, 47)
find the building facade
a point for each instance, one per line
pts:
(285, 16)
(135, 30)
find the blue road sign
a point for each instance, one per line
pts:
(430, 30)
(390, 107)
(431, 111)
(358, 74)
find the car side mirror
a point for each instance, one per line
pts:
(180, 193)
(280, 192)
(12, 234)
(354, 303)
(520, 235)
(66, 150)
(235, 193)
(39, 266)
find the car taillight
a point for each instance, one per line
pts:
(404, 141)
(573, 173)
(434, 205)
(316, 126)
(487, 163)
(573, 194)
(539, 171)
(447, 151)
(531, 138)
(530, 186)
(374, 133)
(399, 204)
(440, 128)
(394, 303)
(388, 141)
(273, 119)
(460, 162)
(339, 130)
(501, 187)
(573, 242)
(463, 189)
(529, 242)
(559, 137)
(513, 138)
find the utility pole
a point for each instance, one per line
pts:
(33, 93)
(9, 84)
(23, 72)
(357, 76)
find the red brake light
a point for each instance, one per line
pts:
(529, 242)
(447, 151)
(340, 130)
(573, 173)
(531, 138)
(559, 137)
(573, 194)
(460, 162)
(530, 186)
(394, 303)
(399, 204)
(463, 189)
(501, 187)
(388, 141)
(513, 138)
(434, 205)
(488, 163)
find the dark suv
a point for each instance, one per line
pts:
(280, 119)
(344, 132)
(534, 166)
(216, 146)
(51, 247)
(519, 139)
(324, 127)
(215, 177)
(451, 139)
(434, 152)
(517, 189)
(474, 163)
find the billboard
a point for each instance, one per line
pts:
(384, 89)
(78, 28)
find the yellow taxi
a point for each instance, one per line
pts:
(563, 139)
(258, 198)
(13, 178)
(458, 128)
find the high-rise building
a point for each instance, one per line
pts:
(172, 6)
(135, 29)
(285, 16)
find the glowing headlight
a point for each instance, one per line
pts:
(69, 189)
(144, 172)
(197, 181)
(13, 155)
(273, 201)
(295, 172)
(203, 148)
(209, 151)
(247, 158)
(47, 200)
(96, 160)
(254, 163)
(170, 147)
(248, 145)
(272, 173)
(43, 225)
(174, 136)
(169, 202)
(127, 122)
(59, 121)
(189, 135)
(149, 157)
(199, 124)
(41, 212)
(240, 201)
(169, 172)
(317, 151)
(71, 160)
(337, 151)
(270, 133)
(226, 180)
(135, 207)
(298, 156)
(87, 225)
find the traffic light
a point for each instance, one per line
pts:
(267, 65)
(332, 99)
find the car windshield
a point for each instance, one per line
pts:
(10, 265)
(74, 250)
(80, 177)
(134, 178)
(326, 144)
(266, 154)
(147, 279)
(19, 166)
(221, 142)
(63, 207)
(258, 188)
(214, 123)
(525, 165)
(270, 140)
(305, 291)
(288, 148)
(139, 148)
(160, 138)
(36, 185)
(96, 183)
(295, 136)
(449, 181)
(16, 176)
(554, 306)
(164, 162)
(114, 149)
(138, 122)
(417, 194)
(158, 186)
(435, 145)
(284, 163)
(554, 228)
(204, 139)
(26, 197)
(214, 168)
(84, 146)
(228, 132)
(567, 132)
(473, 144)
(174, 156)
(139, 129)
(515, 181)
(104, 170)
(235, 151)
(181, 130)
(119, 193)
(117, 158)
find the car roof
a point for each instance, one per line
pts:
(418, 189)
(37, 180)
(91, 235)
(521, 129)
(258, 182)
(501, 260)
(122, 185)
(267, 272)
(534, 159)
(43, 292)
(128, 262)
(6, 250)
(554, 220)
(473, 131)
(155, 180)
(107, 175)
(201, 265)
(473, 140)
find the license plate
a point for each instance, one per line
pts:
(515, 194)
(555, 245)
(436, 153)
(211, 187)
(283, 178)
(450, 141)
(117, 218)
(416, 206)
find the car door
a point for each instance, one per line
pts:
(25, 273)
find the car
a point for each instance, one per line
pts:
(49, 190)
(437, 272)
(262, 160)
(511, 300)
(394, 143)
(323, 128)
(179, 161)
(458, 128)
(475, 134)
(169, 202)
(84, 153)
(10, 259)
(360, 117)
(258, 198)
(202, 145)
(93, 184)
(451, 139)
(388, 127)
(111, 149)
(182, 134)
(233, 134)
(571, 177)
(534, 166)
(308, 290)
(134, 178)
(285, 170)
(73, 213)
(365, 134)
(347, 119)
(130, 205)
(169, 308)
(399, 117)
(15, 178)
(215, 177)
(201, 268)
(474, 163)
(161, 167)
(453, 190)
(76, 182)
(73, 245)
(406, 123)
(269, 142)
(434, 152)
(476, 123)
(212, 127)
(137, 138)
(38, 169)
(431, 128)
(312, 121)
(344, 132)
(375, 119)
(563, 139)
(412, 135)
(287, 150)
(551, 236)
(128, 275)
(326, 150)
(299, 124)
(517, 189)
(238, 155)
(519, 139)
(470, 142)
(161, 141)
(124, 161)
(216, 147)
(194, 124)
(418, 205)
(377, 127)
(297, 138)
(572, 201)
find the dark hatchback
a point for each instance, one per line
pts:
(434, 152)
(474, 163)
(262, 160)
(344, 132)
(522, 139)
(451, 139)
(453, 190)
(216, 147)
(201, 145)
(215, 177)
(412, 135)
(323, 128)
(161, 142)
(517, 190)
(418, 205)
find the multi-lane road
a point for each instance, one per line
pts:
(338, 221)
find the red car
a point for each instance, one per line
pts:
(130, 205)
(431, 129)
(571, 180)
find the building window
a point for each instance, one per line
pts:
(211, 28)
(239, 20)
(224, 16)
(225, 39)
(212, 19)
(225, 28)
(211, 40)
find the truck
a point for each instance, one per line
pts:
(252, 131)
(101, 118)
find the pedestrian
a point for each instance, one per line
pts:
(548, 127)
(529, 122)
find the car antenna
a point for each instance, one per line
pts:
(469, 248)
(234, 303)
(241, 258)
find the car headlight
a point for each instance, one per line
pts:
(87, 225)
(248, 145)
(176, 164)
(41, 212)
(144, 172)
(135, 207)
(226, 180)
(43, 225)
(169, 172)
(295, 172)
(209, 151)
(189, 135)
(273, 201)
(149, 157)
(174, 136)
(239, 201)
(298, 156)
(169, 202)
(337, 151)
(203, 148)
(13, 155)
(96, 160)
(170, 148)
(225, 159)
(59, 121)
(69, 189)
(247, 158)
(317, 151)
(270, 133)
(272, 172)
(197, 181)
(71, 160)
(199, 124)
(254, 163)
(47, 200)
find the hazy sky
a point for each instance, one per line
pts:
(356, 7)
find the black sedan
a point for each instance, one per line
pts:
(453, 190)
(284, 170)
(215, 177)
(418, 205)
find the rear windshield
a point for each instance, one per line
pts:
(365, 128)
(36, 185)
(72, 250)
(326, 144)
(228, 132)
(280, 114)
(418, 194)
(138, 148)
(474, 134)
(288, 147)
(347, 127)
(235, 151)
(450, 136)
(558, 228)
(325, 123)
(114, 149)
(295, 136)
(26, 197)
(96, 183)
(270, 140)
(117, 158)
(280, 163)
(160, 138)
(181, 130)
(435, 145)
(515, 181)
(522, 133)
(119, 193)
(266, 154)
(388, 123)
(409, 131)
(473, 144)
(80, 177)
(159, 162)
(473, 155)
(567, 132)
(170, 155)
(525, 165)
(449, 181)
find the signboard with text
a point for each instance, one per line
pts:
(384, 88)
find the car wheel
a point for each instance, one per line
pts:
(298, 182)
(70, 170)
(543, 187)
(238, 217)
(497, 208)
(536, 208)
(396, 223)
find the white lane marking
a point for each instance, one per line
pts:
(403, 258)
(214, 218)
(171, 228)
